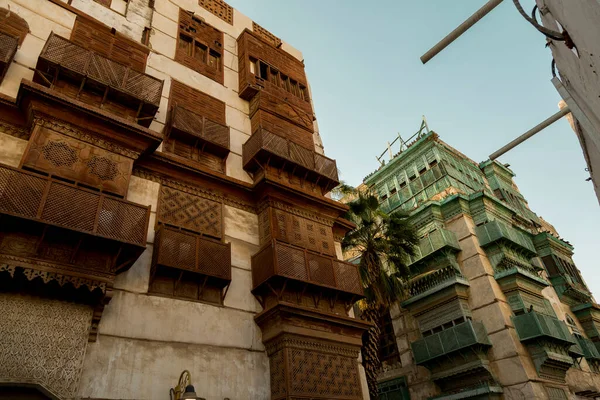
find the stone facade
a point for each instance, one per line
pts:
(496, 307)
(136, 107)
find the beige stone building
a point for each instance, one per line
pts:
(163, 208)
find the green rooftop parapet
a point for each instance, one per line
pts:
(435, 241)
(464, 335)
(494, 231)
(533, 326)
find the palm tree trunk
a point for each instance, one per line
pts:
(370, 349)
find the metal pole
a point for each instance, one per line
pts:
(462, 28)
(531, 132)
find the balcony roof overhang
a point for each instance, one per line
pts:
(38, 101)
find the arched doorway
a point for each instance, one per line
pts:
(16, 391)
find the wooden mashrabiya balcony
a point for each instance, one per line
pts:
(187, 251)
(266, 148)
(61, 57)
(38, 198)
(212, 136)
(279, 260)
(8, 48)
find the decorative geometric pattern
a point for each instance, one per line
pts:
(43, 341)
(324, 375)
(103, 168)
(302, 232)
(59, 154)
(277, 368)
(191, 212)
(264, 145)
(266, 35)
(198, 126)
(8, 47)
(292, 262)
(127, 224)
(106, 71)
(22, 194)
(98, 66)
(218, 8)
(13, 25)
(183, 250)
(73, 159)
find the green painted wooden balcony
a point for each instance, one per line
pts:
(438, 240)
(432, 281)
(462, 336)
(495, 231)
(534, 326)
(588, 348)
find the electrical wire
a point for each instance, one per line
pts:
(548, 32)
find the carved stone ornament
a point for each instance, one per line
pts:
(43, 342)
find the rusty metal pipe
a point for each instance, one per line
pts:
(462, 28)
(531, 132)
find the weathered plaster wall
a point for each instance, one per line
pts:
(212, 342)
(11, 149)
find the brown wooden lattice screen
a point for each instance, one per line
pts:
(62, 53)
(214, 135)
(187, 251)
(218, 8)
(13, 25)
(193, 213)
(274, 145)
(297, 230)
(73, 159)
(265, 35)
(8, 48)
(31, 196)
(115, 46)
(279, 259)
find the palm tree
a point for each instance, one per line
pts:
(383, 243)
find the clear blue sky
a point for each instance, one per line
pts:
(493, 84)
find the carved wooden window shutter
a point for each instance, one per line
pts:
(200, 47)
(101, 39)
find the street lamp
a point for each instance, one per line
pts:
(184, 389)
